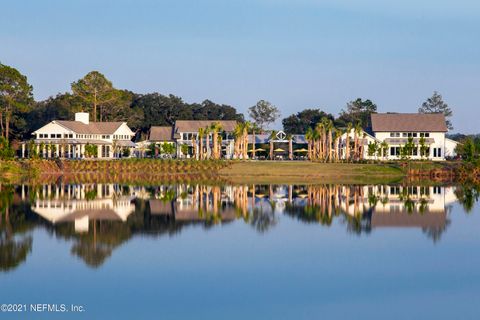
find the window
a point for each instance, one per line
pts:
(414, 134)
(404, 134)
(427, 135)
(394, 190)
(395, 151)
(59, 135)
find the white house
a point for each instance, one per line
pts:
(68, 139)
(185, 134)
(395, 129)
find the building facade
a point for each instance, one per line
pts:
(185, 136)
(425, 133)
(80, 139)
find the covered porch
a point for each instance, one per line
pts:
(75, 149)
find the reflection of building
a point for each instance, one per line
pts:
(81, 204)
(195, 203)
(377, 206)
(398, 206)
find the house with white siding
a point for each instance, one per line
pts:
(186, 133)
(69, 139)
(395, 130)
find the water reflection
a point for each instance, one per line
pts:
(97, 218)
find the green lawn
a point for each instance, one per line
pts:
(310, 172)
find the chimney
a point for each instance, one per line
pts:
(82, 117)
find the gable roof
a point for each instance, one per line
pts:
(161, 134)
(194, 125)
(422, 122)
(91, 128)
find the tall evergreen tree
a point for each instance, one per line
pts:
(358, 111)
(435, 104)
(97, 92)
(16, 99)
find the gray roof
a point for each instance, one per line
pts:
(408, 122)
(194, 125)
(265, 138)
(161, 134)
(91, 128)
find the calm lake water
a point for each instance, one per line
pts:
(241, 252)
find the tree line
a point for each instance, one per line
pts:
(20, 114)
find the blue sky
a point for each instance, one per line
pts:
(296, 54)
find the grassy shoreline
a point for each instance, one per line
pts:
(156, 171)
(311, 172)
(151, 171)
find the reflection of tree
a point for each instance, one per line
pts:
(435, 233)
(468, 195)
(262, 220)
(359, 223)
(94, 255)
(352, 205)
(15, 243)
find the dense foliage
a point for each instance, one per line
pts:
(300, 122)
(435, 104)
(16, 100)
(20, 115)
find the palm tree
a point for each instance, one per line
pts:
(290, 146)
(201, 134)
(254, 129)
(273, 134)
(309, 137)
(384, 148)
(246, 128)
(208, 153)
(238, 135)
(194, 145)
(347, 142)
(215, 128)
(329, 137)
(357, 132)
(319, 129)
(336, 144)
(362, 146)
(326, 123)
(316, 144)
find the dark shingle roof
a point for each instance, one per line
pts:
(194, 125)
(399, 122)
(160, 134)
(91, 128)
